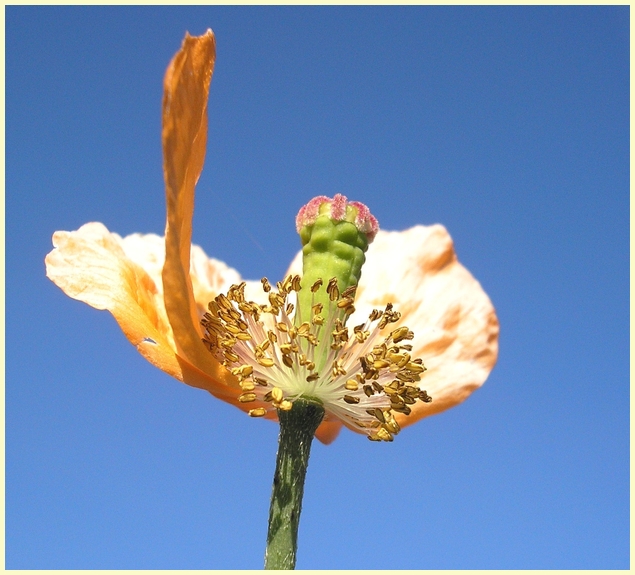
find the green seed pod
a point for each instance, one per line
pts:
(335, 235)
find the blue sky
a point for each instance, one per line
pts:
(510, 126)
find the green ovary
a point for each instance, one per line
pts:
(331, 249)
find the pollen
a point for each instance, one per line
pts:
(362, 376)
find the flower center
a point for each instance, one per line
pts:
(278, 356)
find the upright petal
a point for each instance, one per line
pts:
(186, 90)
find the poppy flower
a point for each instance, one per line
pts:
(165, 292)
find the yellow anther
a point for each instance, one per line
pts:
(333, 290)
(246, 397)
(233, 329)
(265, 361)
(416, 367)
(340, 335)
(304, 329)
(338, 368)
(228, 342)
(288, 347)
(237, 292)
(277, 395)
(405, 376)
(234, 315)
(401, 333)
(346, 302)
(258, 412)
(223, 302)
(412, 391)
(390, 423)
(375, 315)
(247, 385)
(379, 414)
(243, 371)
(275, 300)
(285, 287)
(349, 292)
(379, 351)
(351, 385)
(361, 336)
(384, 434)
(285, 405)
(247, 307)
(401, 408)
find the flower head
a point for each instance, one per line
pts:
(159, 289)
(284, 351)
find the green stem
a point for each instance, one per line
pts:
(297, 428)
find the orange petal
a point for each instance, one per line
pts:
(328, 431)
(186, 89)
(454, 322)
(92, 265)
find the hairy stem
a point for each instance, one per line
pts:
(297, 428)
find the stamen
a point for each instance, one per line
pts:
(359, 377)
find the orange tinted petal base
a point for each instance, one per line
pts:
(328, 431)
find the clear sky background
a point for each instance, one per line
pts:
(510, 126)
